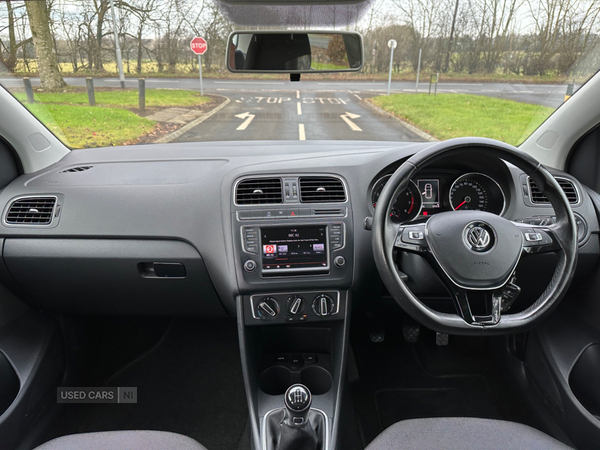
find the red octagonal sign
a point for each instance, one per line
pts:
(198, 45)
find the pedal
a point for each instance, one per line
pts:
(441, 339)
(411, 330)
(377, 332)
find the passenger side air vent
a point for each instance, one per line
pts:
(259, 191)
(31, 211)
(540, 199)
(76, 169)
(322, 190)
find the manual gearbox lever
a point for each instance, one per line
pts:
(297, 404)
(296, 426)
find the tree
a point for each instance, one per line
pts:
(12, 46)
(39, 22)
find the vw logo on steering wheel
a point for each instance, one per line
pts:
(478, 237)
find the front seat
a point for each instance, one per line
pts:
(463, 433)
(123, 440)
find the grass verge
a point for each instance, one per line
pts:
(448, 116)
(86, 126)
(126, 98)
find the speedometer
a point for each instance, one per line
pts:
(476, 191)
(405, 207)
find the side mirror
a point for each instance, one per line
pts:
(294, 52)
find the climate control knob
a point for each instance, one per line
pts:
(268, 308)
(323, 305)
(295, 304)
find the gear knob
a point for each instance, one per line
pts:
(297, 403)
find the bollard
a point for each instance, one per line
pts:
(89, 84)
(142, 93)
(28, 90)
(570, 88)
(430, 83)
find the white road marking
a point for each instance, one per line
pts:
(160, 81)
(299, 108)
(245, 82)
(249, 117)
(301, 133)
(351, 84)
(357, 96)
(297, 94)
(346, 118)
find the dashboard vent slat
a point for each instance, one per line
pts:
(76, 169)
(538, 198)
(259, 191)
(31, 211)
(322, 190)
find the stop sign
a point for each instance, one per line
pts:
(198, 45)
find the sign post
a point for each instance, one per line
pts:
(391, 44)
(199, 47)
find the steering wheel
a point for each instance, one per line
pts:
(475, 253)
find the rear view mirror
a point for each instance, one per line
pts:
(294, 52)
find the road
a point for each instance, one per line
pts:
(309, 110)
(297, 115)
(539, 94)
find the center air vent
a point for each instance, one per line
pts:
(259, 191)
(322, 190)
(539, 198)
(76, 169)
(31, 211)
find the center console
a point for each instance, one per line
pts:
(293, 243)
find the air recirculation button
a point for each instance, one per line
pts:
(323, 305)
(268, 308)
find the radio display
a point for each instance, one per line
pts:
(294, 248)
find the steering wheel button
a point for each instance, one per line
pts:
(415, 235)
(534, 237)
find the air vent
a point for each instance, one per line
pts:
(567, 186)
(259, 191)
(329, 212)
(31, 211)
(321, 190)
(76, 169)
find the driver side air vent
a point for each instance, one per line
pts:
(259, 191)
(31, 211)
(76, 169)
(322, 190)
(567, 186)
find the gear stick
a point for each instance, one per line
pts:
(296, 427)
(297, 404)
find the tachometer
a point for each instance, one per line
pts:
(405, 207)
(476, 191)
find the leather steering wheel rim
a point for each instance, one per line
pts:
(564, 233)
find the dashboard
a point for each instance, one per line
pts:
(201, 228)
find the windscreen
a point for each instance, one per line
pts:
(99, 73)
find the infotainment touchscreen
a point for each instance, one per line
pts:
(294, 248)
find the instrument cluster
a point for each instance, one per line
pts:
(431, 193)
